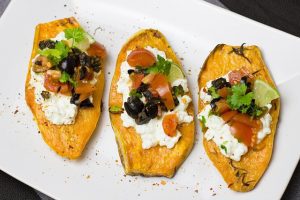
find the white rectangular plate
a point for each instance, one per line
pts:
(193, 28)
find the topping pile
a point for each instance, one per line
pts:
(69, 66)
(154, 96)
(241, 105)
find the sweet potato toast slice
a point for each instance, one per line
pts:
(66, 140)
(240, 176)
(158, 160)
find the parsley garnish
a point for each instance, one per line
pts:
(57, 54)
(242, 101)
(178, 90)
(135, 93)
(77, 34)
(224, 148)
(213, 92)
(162, 66)
(203, 120)
(116, 109)
(65, 77)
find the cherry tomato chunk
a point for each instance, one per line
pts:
(141, 58)
(97, 49)
(242, 132)
(170, 124)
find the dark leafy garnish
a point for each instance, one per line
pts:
(45, 95)
(213, 92)
(135, 93)
(240, 51)
(57, 54)
(116, 110)
(178, 90)
(224, 148)
(65, 77)
(162, 66)
(86, 104)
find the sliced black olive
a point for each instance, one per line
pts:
(142, 88)
(68, 64)
(84, 59)
(86, 104)
(244, 80)
(95, 63)
(38, 62)
(142, 118)
(219, 83)
(133, 106)
(82, 72)
(213, 102)
(74, 99)
(130, 71)
(151, 109)
(148, 95)
(47, 44)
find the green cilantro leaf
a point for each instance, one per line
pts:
(203, 120)
(116, 109)
(77, 34)
(213, 92)
(162, 66)
(239, 100)
(178, 90)
(224, 147)
(134, 93)
(65, 77)
(57, 54)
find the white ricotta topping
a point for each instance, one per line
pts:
(220, 133)
(266, 122)
(152, 133)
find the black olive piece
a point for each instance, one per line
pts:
(213, 102)
(133, 106)
(219, 83)
(86, 104)
(142, 118)
(163, 107)
(95, 63)
(84, 59)
(82, 72)
(148, 95)
(47, 44)
(38, 62)
(74, 98)
(142, 88)
(68, 64)
(244, 80)
(130, 71)
(151, 109)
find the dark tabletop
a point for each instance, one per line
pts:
(286, 19)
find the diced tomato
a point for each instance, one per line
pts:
(170, 124)
(136, 80)
(53, 85)
(83, 88)
(141, 57)
(223, 92)
(222, 106)
(227, 116)
(246, 119)
(242, 132)
(97, 49)
(161, 85)
(236, 75)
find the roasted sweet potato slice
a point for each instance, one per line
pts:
(66, 140)
(240, 176)
(156, 161)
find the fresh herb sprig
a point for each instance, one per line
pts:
(77, 34)
(57, 54)
(162, 66)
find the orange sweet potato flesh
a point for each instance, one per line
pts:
(156, 161)
(66, 140)
(240, 176)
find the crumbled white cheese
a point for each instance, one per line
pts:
(152, 133)
(220, 133)
(266, 122)
(204, 96)
(58, 109)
